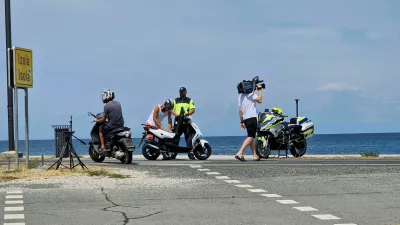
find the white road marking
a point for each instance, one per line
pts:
(345, 224)
(257, 190)
(222, 177)
(271, 195)
(14, 223)
(287, 202)
(326, 217)
(212, 173)
(13, 216)
(197, 166)
(244, 185)
(13, 196)
(9, 209)
(232, 181)
(15, 202)
(305, 208)
(14, 192)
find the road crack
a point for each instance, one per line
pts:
(126, 218)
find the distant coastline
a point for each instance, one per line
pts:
(239, 136)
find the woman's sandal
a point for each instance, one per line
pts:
(240, 158)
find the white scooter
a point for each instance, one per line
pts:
(168, 142)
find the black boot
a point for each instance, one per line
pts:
(191, 156)
(165, 156)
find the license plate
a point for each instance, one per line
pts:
(128, 142)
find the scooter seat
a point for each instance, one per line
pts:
(120, 129)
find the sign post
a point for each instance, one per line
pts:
(23, 79)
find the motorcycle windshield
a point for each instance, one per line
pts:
(262, 116)
(99, 115)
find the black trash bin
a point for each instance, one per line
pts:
(59, 139)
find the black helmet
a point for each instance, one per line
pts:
(168, 104)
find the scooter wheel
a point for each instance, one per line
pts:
(94, 155)
(150, 153)
(202, 154)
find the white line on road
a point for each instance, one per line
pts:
(9, 209)
(345, 224)
(13, 216)
(305, 208)
(197, 166)
(271, 195)
(287, 202)
(212, 173)
(326, 217)
(244, 185)
(14, 223)
(13, 196)
(232, 181)
(203, 169)
(222, 177)
(15, 202)
(14, 192)
(257, 190)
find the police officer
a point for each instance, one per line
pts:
(185, 103)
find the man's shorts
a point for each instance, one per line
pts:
(251, 126)
(106, 129)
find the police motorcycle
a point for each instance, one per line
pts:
(118, 143)
(274, 133)
(168, 142)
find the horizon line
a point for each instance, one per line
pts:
(46, 139)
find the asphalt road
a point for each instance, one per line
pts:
(274, 191)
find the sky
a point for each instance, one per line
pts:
(340, 58)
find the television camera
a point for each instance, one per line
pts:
(248, 86)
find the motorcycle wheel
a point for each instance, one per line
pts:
(151, 154)
(202, 153)
(298, 149)
(263, 152)
(128, 155)
(94, 155)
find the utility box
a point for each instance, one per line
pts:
(59, 139)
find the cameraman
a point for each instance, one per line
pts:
(248, 120)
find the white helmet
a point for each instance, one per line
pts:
(107, 95)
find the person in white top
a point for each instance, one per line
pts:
(158, 114)
(248, 120)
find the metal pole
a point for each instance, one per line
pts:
(9, 75)
(26, 129)
(16, 126)
(297, 107)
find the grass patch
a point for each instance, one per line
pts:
(370, 154)
(23, 173)
(104, 172)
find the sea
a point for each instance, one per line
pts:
(319, 144)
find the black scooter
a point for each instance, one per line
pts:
(118, 143)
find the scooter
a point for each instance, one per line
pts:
(168, 142)
(118, 143)
(274, 133)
